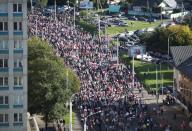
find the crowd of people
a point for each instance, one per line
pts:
(106, 98)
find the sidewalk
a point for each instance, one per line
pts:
(169, 111)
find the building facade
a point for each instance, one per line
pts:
(182, 58)
(13, 65)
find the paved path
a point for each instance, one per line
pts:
(169, 111)
(77, 124)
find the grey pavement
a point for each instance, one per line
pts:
(168, 111)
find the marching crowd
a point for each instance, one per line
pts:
(105, 86)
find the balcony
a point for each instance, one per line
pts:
(17, 14)
(4, 51)
(18, 51)
(18, 87)
(4, 125)
(18, 69)
(18, 33)
(3, 33)
(4, 88)
(4, 107)
(3, 14)
(17, 106)
(18, 124)
(4, 69)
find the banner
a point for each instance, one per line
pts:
(86, 5)
(136, 50)
(114, 8)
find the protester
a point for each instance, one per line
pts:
(105, 86)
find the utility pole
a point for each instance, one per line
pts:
(117, 52)
(156, 84)
(133, 68)
(99, 26)
(31, 6)
(55, 10)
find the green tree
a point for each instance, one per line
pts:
(42, 3)
(178, 35)
(47, 90)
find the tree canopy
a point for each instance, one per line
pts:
(47, 76)
(178, 36)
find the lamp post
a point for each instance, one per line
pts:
(31, 6)
(117, 52)
(85, 120)
(73, 10)
(168, 41)
(70, 111)
(156, 84)
(133, 68)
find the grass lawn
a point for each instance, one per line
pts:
(67, 118)
(147, 74)
(136, 25)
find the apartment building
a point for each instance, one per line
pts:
(13, 65)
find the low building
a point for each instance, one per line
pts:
(182, 58)
(152, 7)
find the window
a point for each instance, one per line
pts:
(18, 63)
(4, 118)
(14, 7)
(4, 100)
(17, 7)
(20, 26)
(1, 118)
(4, 44)
(18, 100)
(18, 81)
(17, 44)
(18, 117)
(3, 26)
(15, 25)
(3, 63)
(3, 81)
(1, 99)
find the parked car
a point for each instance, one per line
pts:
(170, 88)
(142, 19)
(163, 90)
(132, 18)
(151, 20)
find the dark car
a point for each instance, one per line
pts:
(151, 20)
(170, 88)
(142, 19)
(132, 18)
(163, 90)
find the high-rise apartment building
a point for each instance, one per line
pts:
(13, 65)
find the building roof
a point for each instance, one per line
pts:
(182, 57)
(154, 3)
(171, 3)
(186, 67)
(180, 54)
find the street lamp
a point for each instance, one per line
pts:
(168, 41)
(70, 112)
(85, 120)
(73, 10)
(117, 52)
(157, 97)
